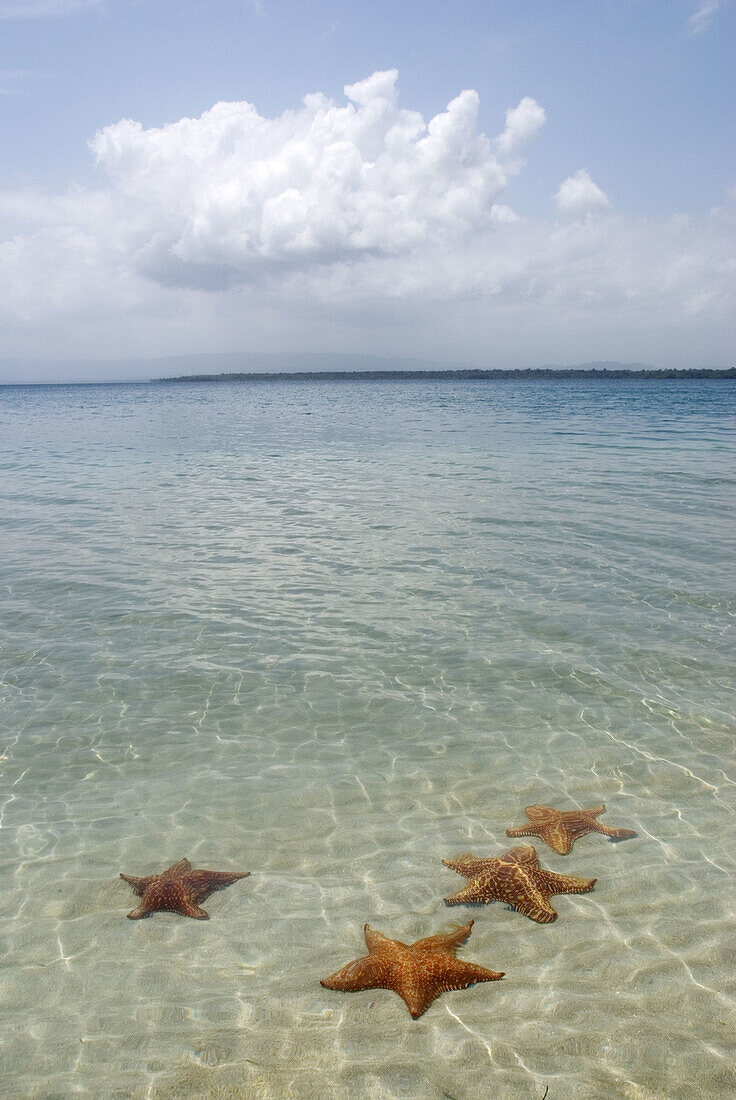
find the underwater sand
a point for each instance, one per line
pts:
(331, 634)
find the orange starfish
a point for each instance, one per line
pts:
(418, 972)
(517, 879)
(561, 828)
(179, 889)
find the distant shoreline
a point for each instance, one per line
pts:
(419, 374)
(532, 374)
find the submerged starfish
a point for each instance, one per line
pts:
(179, 889)
(561, 828)
(517, 879)
(418, 972)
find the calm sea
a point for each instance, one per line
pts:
(332, 633)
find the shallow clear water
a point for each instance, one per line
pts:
(331, 634)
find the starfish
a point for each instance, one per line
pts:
(517, 879)
(179, 889)
(418, 972)
(561, 828)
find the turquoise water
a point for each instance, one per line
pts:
(332, 634)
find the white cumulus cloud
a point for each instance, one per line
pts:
(353, 226)
(522, 124)
(579, 195)
(217, 199)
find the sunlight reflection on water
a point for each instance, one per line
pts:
(332, 634)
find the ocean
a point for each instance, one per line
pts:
(333, 633)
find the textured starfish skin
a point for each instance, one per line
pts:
(179, 889)
(561, 828)
(517, 879)
(418, 972)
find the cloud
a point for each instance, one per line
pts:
(231, 194)
(522, 124)
(703, 15)
(352, 226)
(579, 195)
(502, 213)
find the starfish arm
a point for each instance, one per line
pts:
(535, 906)
(615, 834)
(201, 884)
(142, 911)
(140, 885)
(549, 882)
(442, 976)
(467, 864)
(441, 944)
(524, 854)
(557, 836)
(374, 941)
(189, 908)
(419, 990)
(597, 810)
(471, 893)
(176, 870)
(366, 973)
(523, 830)
(471, 972)
(418, 998)
(539, 813)
(464, 974)
(519, 887)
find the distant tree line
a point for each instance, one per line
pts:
(445, 375)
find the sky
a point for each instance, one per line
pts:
(494, 183)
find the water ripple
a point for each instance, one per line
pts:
(332, 636)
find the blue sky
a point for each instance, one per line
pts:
(637, 95)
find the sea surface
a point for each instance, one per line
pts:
(332, 633)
